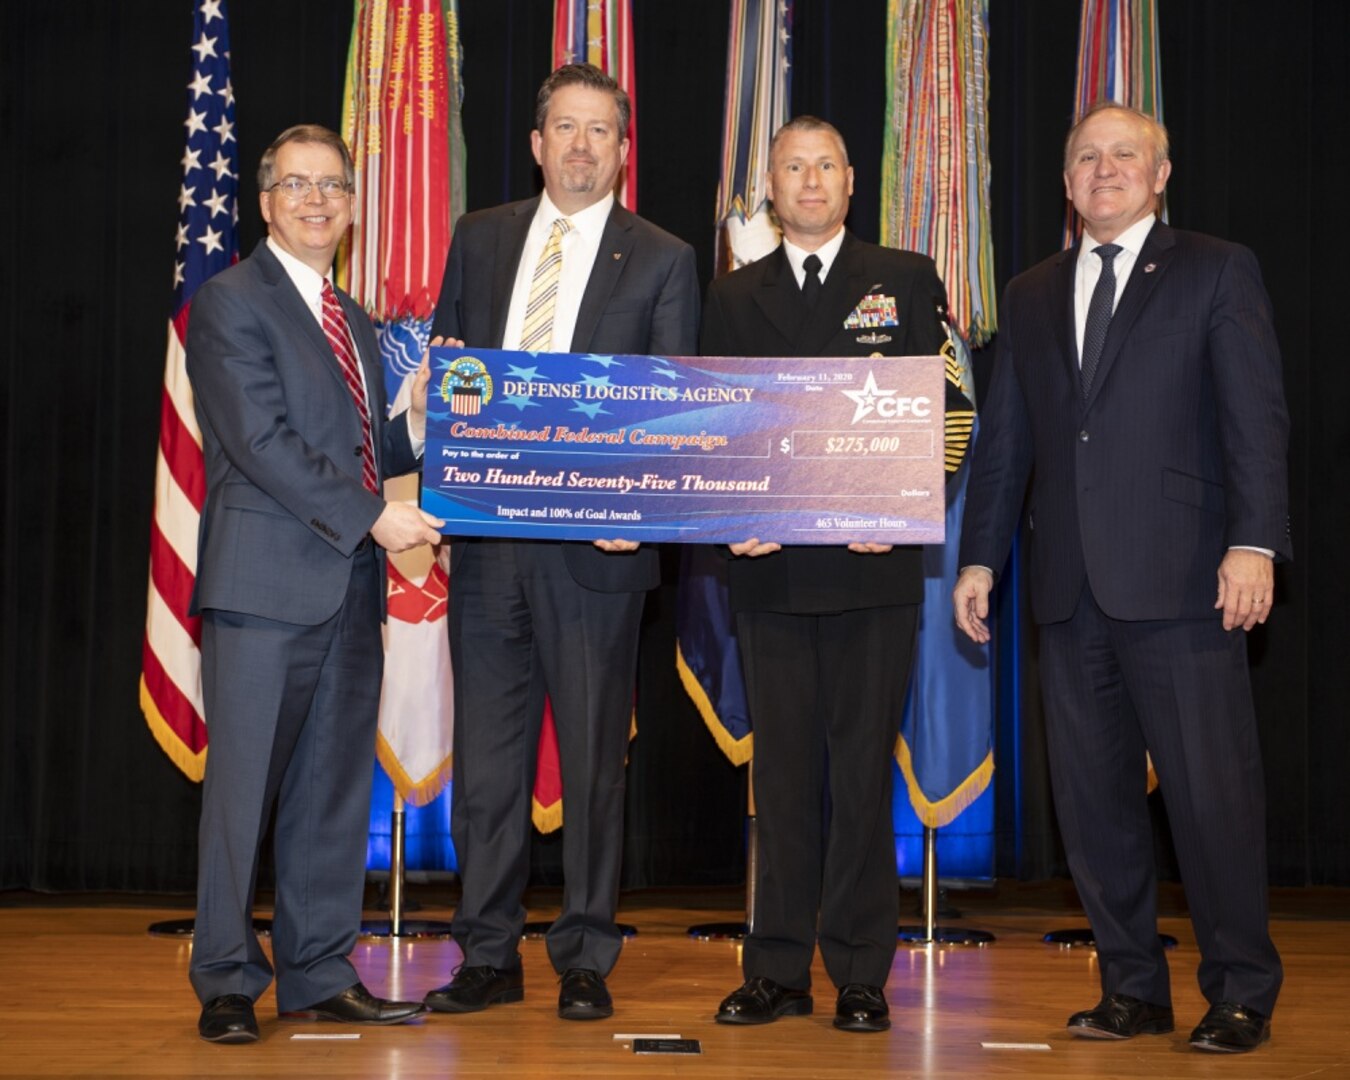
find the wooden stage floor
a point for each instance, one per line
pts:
(88, 993)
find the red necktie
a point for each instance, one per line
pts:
(340, 338)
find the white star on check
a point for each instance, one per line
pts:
(195, 122)
(211, 10)
(191, 160)
(182, 240)
(227, 93)
(218, 202)
(200, 84)
(221, 165)
(225, 130)
(866, 398)
(178, 274)
(206, 47)
(210, 240)
(185, 198)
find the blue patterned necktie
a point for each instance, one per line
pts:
(1099, 314)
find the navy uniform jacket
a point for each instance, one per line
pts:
(757, 311)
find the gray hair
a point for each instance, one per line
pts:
(1157, 133)
(305, 133)
(806, 123)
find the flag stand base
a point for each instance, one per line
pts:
(1074, 939)
(930, 933)
(182, 928)
(736, 931)
(537, 929)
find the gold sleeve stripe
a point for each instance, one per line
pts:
(956, 437)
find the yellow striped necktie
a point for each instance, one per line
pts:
(536, 334)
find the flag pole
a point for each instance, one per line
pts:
(396, 926)
(930, 933)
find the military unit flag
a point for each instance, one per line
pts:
(935, 200)
(401, 119)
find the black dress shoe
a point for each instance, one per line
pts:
(1119, 1016)
(228, 1019)
(475, 988)
(357, 1005)
(583, 996)
(762, 1001)
(862, 1008)
(1231, 1028)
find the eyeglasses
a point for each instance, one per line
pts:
(296, 189)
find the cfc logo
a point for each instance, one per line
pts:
(885, 404)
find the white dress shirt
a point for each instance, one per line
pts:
(308, 283)
(1089, 270)
(579, 248)
(826, 253)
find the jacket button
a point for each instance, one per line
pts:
(357, 451)
(1082, 436)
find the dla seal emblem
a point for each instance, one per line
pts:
(467, 386)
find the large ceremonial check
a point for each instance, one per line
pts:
(695, 449)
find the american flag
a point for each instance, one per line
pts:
(206, 243)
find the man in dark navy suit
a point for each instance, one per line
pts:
(290, 586)
(570, 270)
(1138, 389)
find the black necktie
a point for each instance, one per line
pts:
(811, 283)
(1099, 314)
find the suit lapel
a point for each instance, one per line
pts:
(288, 298)
(1148, 270)
(1064, 329)
(616, 245)
(506, 262)
(780, 299)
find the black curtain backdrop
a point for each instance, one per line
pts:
(92, 100)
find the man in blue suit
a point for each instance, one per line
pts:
(290, 586)
(1138, 389)
(570, 270)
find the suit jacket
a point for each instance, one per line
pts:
(757, 311)
(642, 297)
(1177, 454)
(285, 507)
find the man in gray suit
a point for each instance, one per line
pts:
(569, 270)
(290, 587)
